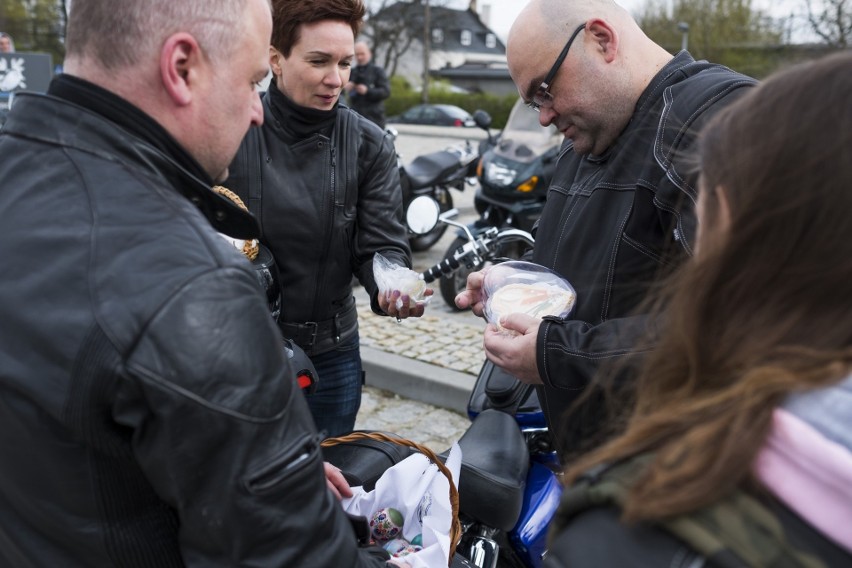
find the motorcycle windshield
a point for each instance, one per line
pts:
(524, 139)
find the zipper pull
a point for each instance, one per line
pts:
(333, 161)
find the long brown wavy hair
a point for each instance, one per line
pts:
(762, 311)
(289, 15)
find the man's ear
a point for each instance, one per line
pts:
(605, 38)
(275, 57)
(180, 65)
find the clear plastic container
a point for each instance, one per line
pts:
(518, 286)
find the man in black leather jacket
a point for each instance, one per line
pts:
(147, 414)
(368, 86)
(620, 207)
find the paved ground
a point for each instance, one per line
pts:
(434, 427)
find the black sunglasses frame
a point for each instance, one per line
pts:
(543, 91)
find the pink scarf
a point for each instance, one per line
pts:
(811, 474)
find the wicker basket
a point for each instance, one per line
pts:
(455, 526)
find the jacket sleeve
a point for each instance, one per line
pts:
(381, 87)
(570, 352)
(379, 227)
(223, 435)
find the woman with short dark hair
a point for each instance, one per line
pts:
(324, 184)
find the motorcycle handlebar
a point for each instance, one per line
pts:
(446, 266)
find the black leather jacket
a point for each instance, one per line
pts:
(613, 224)
(326, 202)
(371, 104)
(147, 414)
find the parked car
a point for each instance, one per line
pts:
(437, 115)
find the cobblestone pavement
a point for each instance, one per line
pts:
(447, 339)
(451, 342)
(436, 428)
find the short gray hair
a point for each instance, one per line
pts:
(119, 33)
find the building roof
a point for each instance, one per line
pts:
(474, 70)
(451, 24)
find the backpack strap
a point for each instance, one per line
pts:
(734, 532)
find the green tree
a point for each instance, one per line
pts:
(730, 32)
(35, 25)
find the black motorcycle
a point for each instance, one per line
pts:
(514, 172)
(433, 175)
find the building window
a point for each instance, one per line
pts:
(466, 37)
(437, 35)
(490, 41)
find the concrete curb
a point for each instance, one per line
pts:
(419, 130)
(417, 380)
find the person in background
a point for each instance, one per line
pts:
(323, 182)
(6, 43)
(619, 211)
(148, 416)
(368, 86)
(745, 404)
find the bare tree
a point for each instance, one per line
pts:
(391, 31)
(394, 27)
(714, 26)
(831, 21)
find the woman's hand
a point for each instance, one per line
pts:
(388, 303)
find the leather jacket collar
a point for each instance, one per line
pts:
(96, 133)
(298, 121)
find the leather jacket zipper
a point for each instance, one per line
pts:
(329, 229)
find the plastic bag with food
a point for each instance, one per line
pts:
(390, 277)
(524, 287)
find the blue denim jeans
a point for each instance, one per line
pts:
(337, 399)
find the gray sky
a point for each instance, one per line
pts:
(504, 12)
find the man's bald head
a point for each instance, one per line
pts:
(543, 26)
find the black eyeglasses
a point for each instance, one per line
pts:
(542, 97)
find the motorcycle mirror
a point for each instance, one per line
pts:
(422, 214)
(482, 119)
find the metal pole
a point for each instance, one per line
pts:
(427, 45)
(684, 28)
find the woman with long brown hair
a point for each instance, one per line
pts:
(742, 413)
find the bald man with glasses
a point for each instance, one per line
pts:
(620, 208)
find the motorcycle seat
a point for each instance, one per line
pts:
(495, 462)
(429, 169)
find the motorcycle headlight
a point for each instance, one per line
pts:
(498, 174)
(528, 185)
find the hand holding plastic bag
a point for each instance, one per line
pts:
(391, 277)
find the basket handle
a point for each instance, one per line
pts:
(455, 527)
(250, 248)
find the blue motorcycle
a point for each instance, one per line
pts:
(508, 486)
